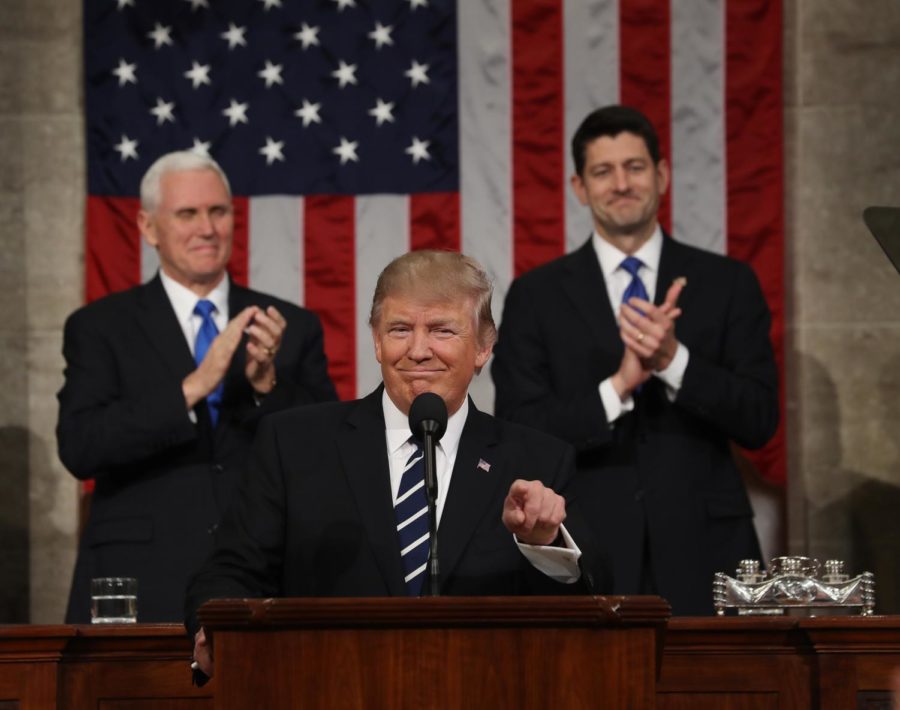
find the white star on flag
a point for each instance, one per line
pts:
(307, 35)
(234, 36)
(382, 111)
(121, 4)
(125, 73)
(236, 112)
(346, 150)
(196, 4)
(198, 74)
(345, 74)
(417, 73)
(418, 150)
(163, 111)
(200, 147)
(413, 4)
(126, 148)
(344, 3)
(161, 35)
(309, 113)
(381, 35)
(271, 74)
(269, 4)
(272, 150)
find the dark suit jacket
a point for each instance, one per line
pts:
(162, 481)
(663, 476)
(314, 515)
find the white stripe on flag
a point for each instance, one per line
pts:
(698, 124)
(149, 261)
(382, 233)
(275, 246)
(591, 75)
(483, 53)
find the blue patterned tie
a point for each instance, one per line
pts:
(635, 289)
(205, 335)
(411, 510)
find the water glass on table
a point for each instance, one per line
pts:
(114, 600)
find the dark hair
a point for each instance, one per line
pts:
(611, 121)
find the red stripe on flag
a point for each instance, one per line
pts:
(329, 226)
(645, 71)
(754, 132)
(434, 221)
(239, 263)
(112, 245)
(538, 172)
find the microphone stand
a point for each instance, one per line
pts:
(431, 493)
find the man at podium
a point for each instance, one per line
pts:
(326, 506)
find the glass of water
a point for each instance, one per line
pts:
(114, 600)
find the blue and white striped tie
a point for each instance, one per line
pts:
(411, 510)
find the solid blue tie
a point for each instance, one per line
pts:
(411, 510)
(205, 335)
(635, 289)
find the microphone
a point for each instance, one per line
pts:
(428, 422)
(428, 415)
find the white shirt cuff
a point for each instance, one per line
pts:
(558, 563)
(614, 406)
(673, 375)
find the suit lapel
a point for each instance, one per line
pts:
(159, 322)
(236, 385)
(586, 288)
(364, 457)
(671, 266)
(473, 491)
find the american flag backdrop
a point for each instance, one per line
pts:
(355, 130)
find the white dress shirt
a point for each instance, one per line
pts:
(617, 280)
(184, 300)
(559, 563)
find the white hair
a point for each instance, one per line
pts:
(175, 162)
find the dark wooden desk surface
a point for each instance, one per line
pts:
(723, 663)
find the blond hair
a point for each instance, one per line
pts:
(438, 276)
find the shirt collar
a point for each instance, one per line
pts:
(396, 425)
(183, 299)
(610, 257)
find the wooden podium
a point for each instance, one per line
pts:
(437, 652)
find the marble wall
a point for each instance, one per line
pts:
(842, 96)
(41, 252)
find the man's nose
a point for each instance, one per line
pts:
(620, 179)
(419, 346)
(205, 223)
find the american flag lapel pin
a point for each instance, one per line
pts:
(484, 465)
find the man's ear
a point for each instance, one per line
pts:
(147, 228)
(579, 188)
(482, 356)
(662, 175)
(377, 342)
